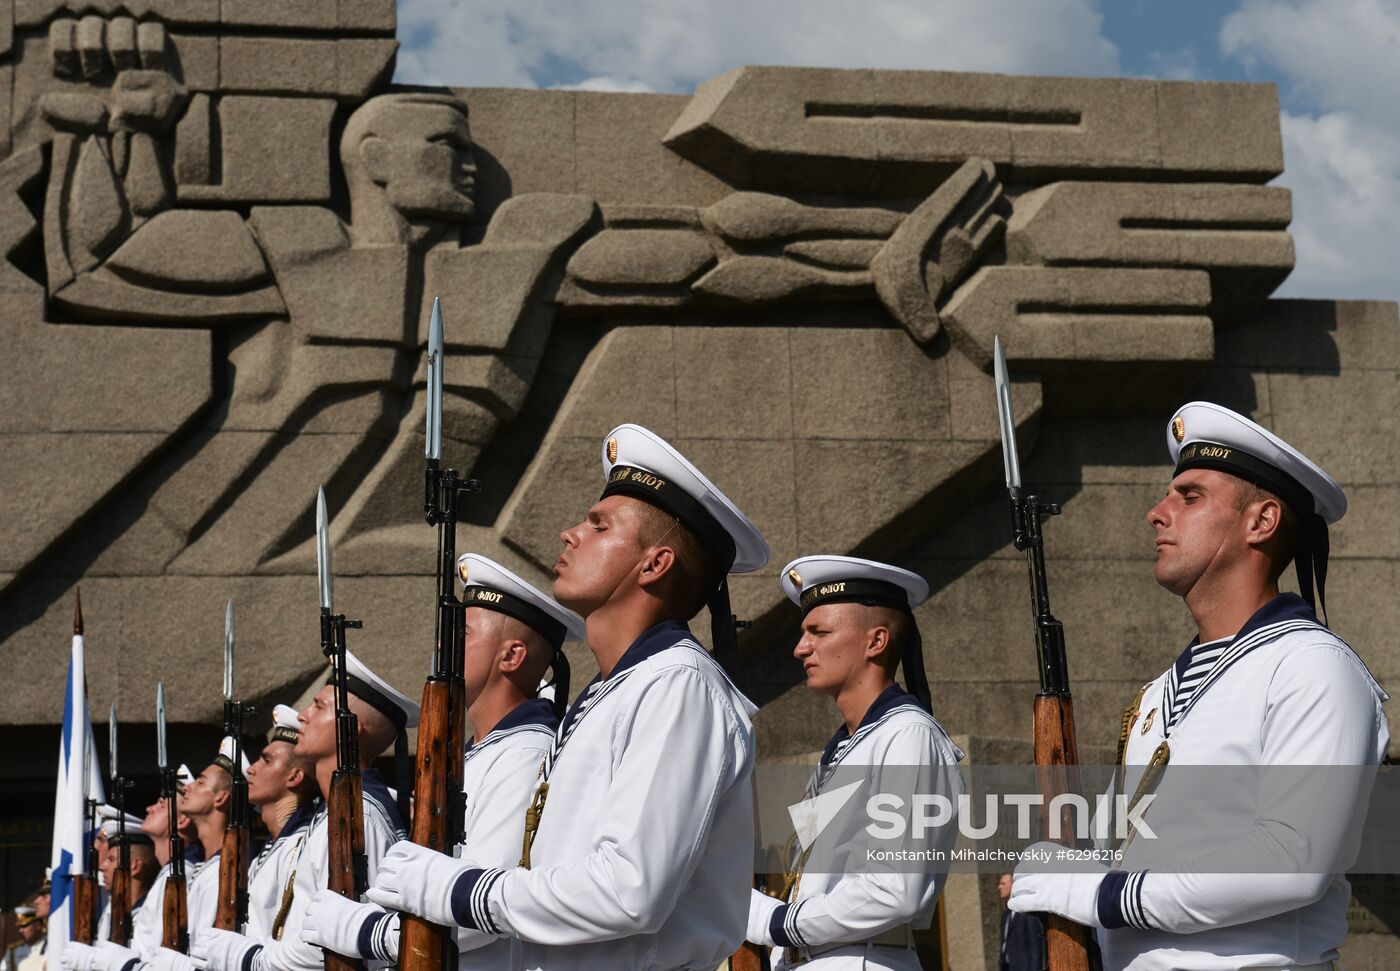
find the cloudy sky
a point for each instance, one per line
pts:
(1336, 64)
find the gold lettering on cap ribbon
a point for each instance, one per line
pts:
(486, 596)
(828, 589)
(1213, 452)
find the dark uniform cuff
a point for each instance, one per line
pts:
(373, 941)
(1120, 900)
(470, 907)
(782, 926)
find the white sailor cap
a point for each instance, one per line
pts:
(1202, 435)
(1206, 435)
(112, 820)
(224, 759)
(286, 727)
(183, 777)
(640, 464)
(379, 694)
(487, 584)
(812, 580)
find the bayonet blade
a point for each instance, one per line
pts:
(161, 760)
(87, 763)
(228, 651)
(1011, 462)
(434, 429)
(323, 549)
(112, 739)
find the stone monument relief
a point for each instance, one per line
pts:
(223, 227)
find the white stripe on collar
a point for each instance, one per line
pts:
(1241, 647)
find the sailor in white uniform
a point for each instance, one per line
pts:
(383, 713)
(146, 926)
(1264, 684)
(208, 802)
(283, 787)
(857, 628)
(643, 855)
(111, 829)
(514, 634)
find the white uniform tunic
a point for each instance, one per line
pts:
(383, 828)
(202, 895)
(147, 922)
(104, 924)
(499, 780)
(644, 856)
(498, 777)
(830, 908)
(1285, 691)
(269, 874)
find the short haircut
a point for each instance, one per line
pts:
(696, 569)
(1284, 543)
(897, 622)
(539, 652)
(375, 727)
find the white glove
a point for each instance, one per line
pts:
(761, 907)
(417, 880)
(167, 959)
(1070, 894)
(111, 957)
(336, 924)
(218, 950)
(78, 957)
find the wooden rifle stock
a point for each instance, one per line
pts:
(120, 932)
(175, 914)
(749, 957)
(233, 879)
(425, 946)
(1068, 945)
(84, 909)
(345, 828)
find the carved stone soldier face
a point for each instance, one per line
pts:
(423, 158)
(415, 151)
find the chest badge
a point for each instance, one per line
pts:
(1147, 722)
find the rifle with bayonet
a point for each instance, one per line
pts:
(120, 890)
(439, 810)
(232, 911)
(85, 902)
(175, 914)
(1068, 946)
(348, 869)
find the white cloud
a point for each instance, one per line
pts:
(672, 45)
(609, 84)
(1338, 54)
(1177, 65)
(1345, 177)
(1342, 161)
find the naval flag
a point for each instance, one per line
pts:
(79, 779)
